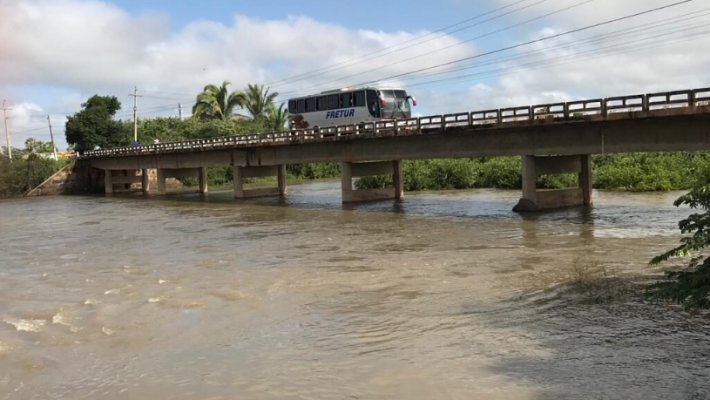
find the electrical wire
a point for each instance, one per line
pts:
(366, 58)
(488, 34)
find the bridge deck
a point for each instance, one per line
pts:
(576, 116)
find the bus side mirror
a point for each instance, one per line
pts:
(414, 101)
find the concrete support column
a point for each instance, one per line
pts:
(162, 190)
(283, 189)
(237, 173)
(398, 179)
(145, 181)
(346, 181)
(202, 177)
(108, 181)
(529, 179)
(348, 171)
(241, 173)
(586, 179)
(537, 200)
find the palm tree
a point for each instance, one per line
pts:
(217, 103)
(276, 117)
(37, 146)
(258, 100)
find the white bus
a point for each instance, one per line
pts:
(349, 106)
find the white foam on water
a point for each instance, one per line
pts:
(107, 331)
(154, 300)
(63, 319)
(26, 325)
(112, 291)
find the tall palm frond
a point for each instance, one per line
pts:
(217, 103)
(277, 117)
(258, 100)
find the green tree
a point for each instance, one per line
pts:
(37, 146)
(217, 103)
(258, 101)
(689, 287)
(276, 117)
(94, 125)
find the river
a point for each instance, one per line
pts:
(448, 295)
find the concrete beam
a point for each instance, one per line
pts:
(372, 169)
(557, 165)
(182, 173)
(260, 172)
(126, 179)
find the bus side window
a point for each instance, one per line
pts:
(359, 99)
(345, 100)
(333, 101)
(322, 103)
(292, 107)
(301, 106)
(310, 104)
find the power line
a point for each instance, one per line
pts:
(30, 130)
(624, 48)
(366, 57)
(500, 50)
(497, 31)
(623, 33)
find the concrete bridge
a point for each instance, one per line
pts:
(551, 138)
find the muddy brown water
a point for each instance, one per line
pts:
(447, 295)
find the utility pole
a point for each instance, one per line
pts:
(7, 131)
(135, 113)
(180, 110)
(51, 135)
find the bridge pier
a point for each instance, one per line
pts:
(125, 178)
(145, 181)
(164, 174)
(349, 170)
(241, 173)
(534, 200)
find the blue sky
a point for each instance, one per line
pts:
(63, 51)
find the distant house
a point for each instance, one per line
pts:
(240, 117)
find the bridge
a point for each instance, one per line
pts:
(551, 139)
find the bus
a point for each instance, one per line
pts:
(349, 106)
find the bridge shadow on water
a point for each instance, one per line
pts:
(611, 210)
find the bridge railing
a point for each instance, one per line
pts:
(569, 111)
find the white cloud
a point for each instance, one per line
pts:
(88, 47)
(607, 70)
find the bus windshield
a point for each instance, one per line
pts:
(396, 104)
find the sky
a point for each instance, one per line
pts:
(452, 55)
